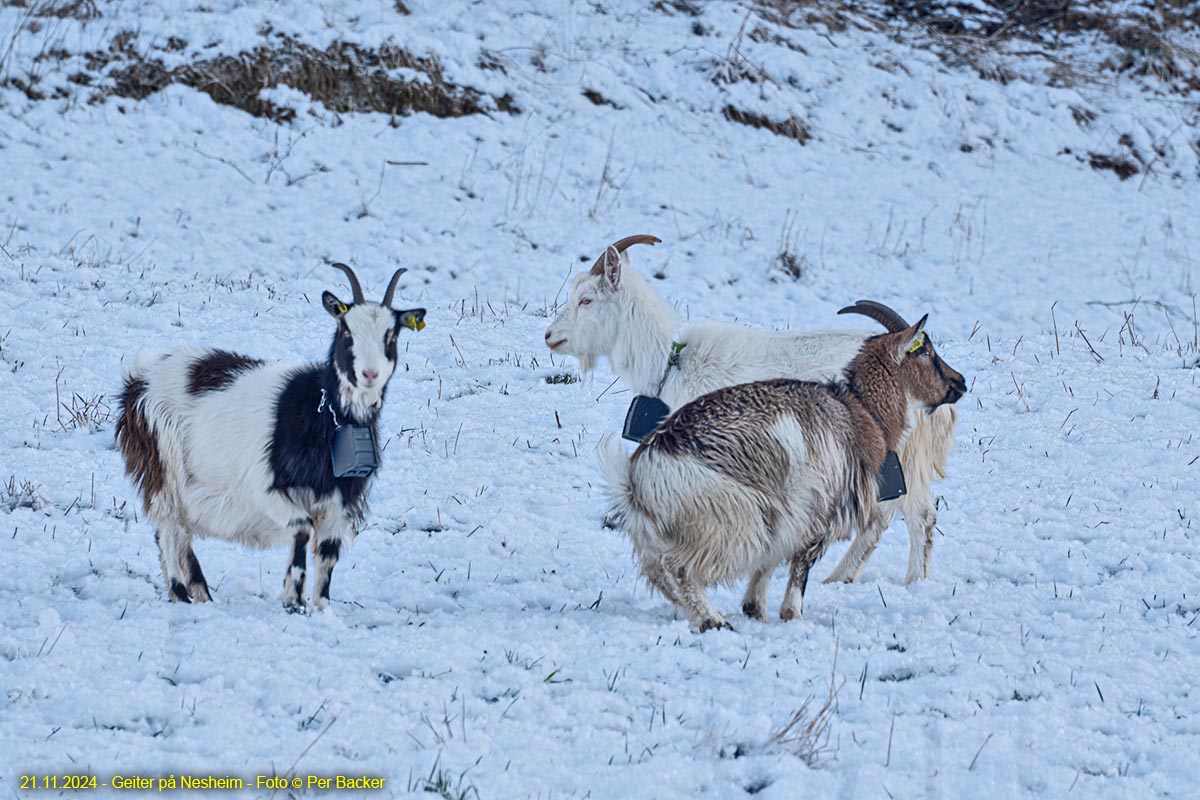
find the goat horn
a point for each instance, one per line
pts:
(878, 312)
(355, 286)
(628, 241)
(387, 296)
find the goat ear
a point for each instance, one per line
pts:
(334, 306)
(612, 268)
(413, 318)
(912, 338)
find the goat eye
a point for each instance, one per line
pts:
(585, 301)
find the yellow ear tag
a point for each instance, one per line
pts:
(414, 324)
(343, 308)
(420, 326)
(918, 343)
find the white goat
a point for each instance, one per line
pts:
(736, 482)
(613, 313)
(224, 445)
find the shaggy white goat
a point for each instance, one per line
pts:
(224, 445)
(613, 313)
(748, 476)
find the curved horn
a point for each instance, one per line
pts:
(622, 245)
(387, 296)
(885, 316)
(355, 286)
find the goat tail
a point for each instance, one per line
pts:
(624, 510)
(616, 465)
(148, 431)
(136, 440)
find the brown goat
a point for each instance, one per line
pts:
(742, 479)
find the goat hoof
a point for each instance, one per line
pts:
(753, 611)
(717, 624)
(178, 593)
(319, 603)
(295, 607)
(788, 614)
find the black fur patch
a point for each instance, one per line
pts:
(179, 592)
(390, 339)
(195, 574)
(341, 352)
(300, 443)
(217, 369)
(137, 443)
(330, 549)
(299, 551)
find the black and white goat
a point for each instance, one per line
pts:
(227, 446)
(746, 477)
(613, 313)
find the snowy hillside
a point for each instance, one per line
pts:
(183, 173)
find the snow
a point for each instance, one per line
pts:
(485, 627)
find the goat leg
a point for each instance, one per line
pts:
(754, 603)
(658, 578)
(921, 522)
(691, 596)
(172, 540)
(293, 580)
(325, 557)
(802, 561)
(197, 585)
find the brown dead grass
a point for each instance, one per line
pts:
(65, 9)
(344, 78)
(1154, 38)
(792, 127)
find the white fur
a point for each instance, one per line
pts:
(617, 316)
(370, 324)
(692, 526)
(215, 453)
(215, 448)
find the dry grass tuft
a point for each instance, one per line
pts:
(68, 9)
(789, 259)
(1153, 38)
(344, 77)
(1123, 167)
(807, 733)
(79, 412)
(791, 127)
(23, 494)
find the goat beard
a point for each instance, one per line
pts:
(587, 363)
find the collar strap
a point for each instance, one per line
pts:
(676, 349)
(672, 361)
(321, 407)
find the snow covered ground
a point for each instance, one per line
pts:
(487, 636)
